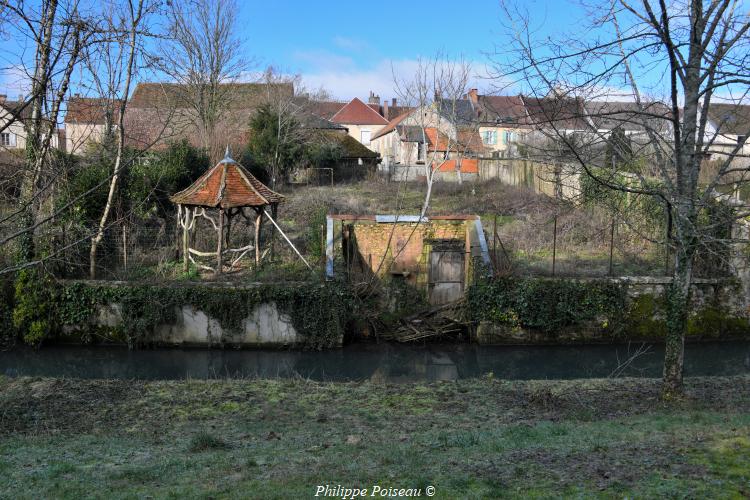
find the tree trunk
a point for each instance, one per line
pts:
(678, 307)
(135, 18)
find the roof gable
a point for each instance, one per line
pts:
(358, 113)
(502, 109)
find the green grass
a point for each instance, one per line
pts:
(281, 438)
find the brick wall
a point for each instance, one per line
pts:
(406, 252)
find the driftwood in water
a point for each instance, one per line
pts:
(443, 322)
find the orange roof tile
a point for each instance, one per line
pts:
(468, 166)
(227, 185)
(391, 125)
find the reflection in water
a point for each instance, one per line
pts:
(383, 362)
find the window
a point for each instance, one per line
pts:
(509, 137)
(365, 137)
(489, 137)
(420, 151)
(7, 139)
(741, 139)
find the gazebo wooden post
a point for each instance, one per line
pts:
(274, 207)
(220, 245)
(229, 227)
(230, 189)
(185, 221)
(258, 221)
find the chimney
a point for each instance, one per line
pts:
(473, 95)
(373, 99)
(385, 110)
(20, 98)
(393, 102)
(3, 97)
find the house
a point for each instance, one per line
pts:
(503, 122)
(12, 117)
(728, 125)
(87, 120)
(362, 121)
(349, 159)
(556, 115)
(159, 113)
(442, 130)
(356, 117)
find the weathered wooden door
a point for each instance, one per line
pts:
(446, 272)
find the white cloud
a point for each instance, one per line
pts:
(14, 81)
(345, 80)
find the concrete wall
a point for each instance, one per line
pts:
(719, 310)
(265, 326)
(79, 135)
(540, 177)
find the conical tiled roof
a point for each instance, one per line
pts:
(227, 185)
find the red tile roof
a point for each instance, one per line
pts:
(391, 125)
(227, 185)
(358, 113)
(91, 110)
(502, 109)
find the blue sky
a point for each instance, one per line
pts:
(350, 48)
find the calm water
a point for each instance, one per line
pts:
(388, 362)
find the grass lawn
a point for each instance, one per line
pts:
(281, 438)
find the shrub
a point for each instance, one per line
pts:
(34, 306)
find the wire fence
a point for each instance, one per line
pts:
(589, 244)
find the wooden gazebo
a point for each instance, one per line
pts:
(221, 194)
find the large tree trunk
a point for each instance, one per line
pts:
(678, 307)
(34, 156)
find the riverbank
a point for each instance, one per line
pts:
(281, 438)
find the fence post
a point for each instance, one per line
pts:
(323, 248)
(494, 244)
(554, 245)
(611, 244)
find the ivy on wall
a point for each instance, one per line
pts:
(549, 305)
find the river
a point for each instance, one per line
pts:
(384, 362)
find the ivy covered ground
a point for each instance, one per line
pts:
(282, 438)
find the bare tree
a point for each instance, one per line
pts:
(444, 118)
(131, 28)
(204, 57)
(672, 62)
(58, 32)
